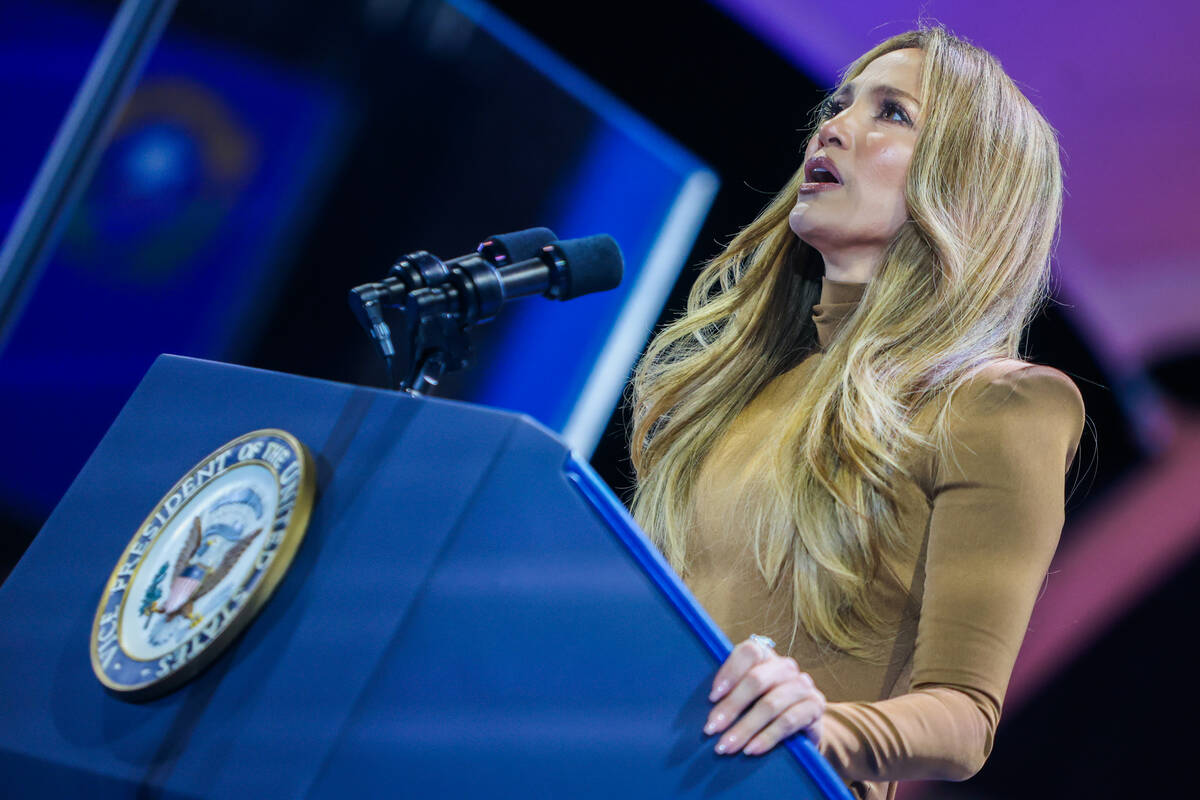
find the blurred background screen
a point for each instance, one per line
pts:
(244, 192)
(179, 242)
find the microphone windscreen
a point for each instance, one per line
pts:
(594, 264)
(521, 245)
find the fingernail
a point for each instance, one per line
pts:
(725, 744)
(752, 749)
(719, 690)
(711, 727)
(720, 749)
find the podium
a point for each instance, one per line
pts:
(471, 613)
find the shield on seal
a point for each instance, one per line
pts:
(217, 539)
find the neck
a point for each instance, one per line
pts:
(851, 266)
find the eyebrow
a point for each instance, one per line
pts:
(880, 90)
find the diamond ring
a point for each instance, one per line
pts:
(766, 641)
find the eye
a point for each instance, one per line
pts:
(830, 109)
(891, 111)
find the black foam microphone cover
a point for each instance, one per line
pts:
(594, 264)
(519, 245)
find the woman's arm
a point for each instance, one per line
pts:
(996, 519)
(997, 515)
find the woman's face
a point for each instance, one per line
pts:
(852, 201)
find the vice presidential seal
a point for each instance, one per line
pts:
(202, 564)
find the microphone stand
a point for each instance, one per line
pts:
(438, 341)
(438, 311)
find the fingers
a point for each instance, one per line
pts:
(743, 658)
(761, 715)
(756, 682)
(804, 715)
(762, 698)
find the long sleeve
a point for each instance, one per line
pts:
(995, 523)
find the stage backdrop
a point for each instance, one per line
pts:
(245, 191)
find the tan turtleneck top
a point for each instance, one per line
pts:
(984, 521)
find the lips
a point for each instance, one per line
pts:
(820, 169)
(820, 175)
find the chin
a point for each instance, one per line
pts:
(801, 224)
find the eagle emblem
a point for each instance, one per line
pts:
(202, 564)
(215, 542)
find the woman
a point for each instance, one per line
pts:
(837, 445)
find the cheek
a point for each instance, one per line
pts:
(886, 165)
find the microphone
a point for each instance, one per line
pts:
(477, 289)
(517, 246)
(423, 270)
(441, 301)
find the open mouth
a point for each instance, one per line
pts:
(821, 170)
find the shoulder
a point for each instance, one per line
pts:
(1020, 386)
(1018, 404)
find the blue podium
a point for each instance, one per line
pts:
(471, 614)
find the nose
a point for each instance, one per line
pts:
(833, 131)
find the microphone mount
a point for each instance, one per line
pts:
(436, 303)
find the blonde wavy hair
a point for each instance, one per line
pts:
(953, 292)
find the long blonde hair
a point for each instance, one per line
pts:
(953, 292)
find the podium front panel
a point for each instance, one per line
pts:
(460, 620)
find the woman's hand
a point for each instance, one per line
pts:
(787, 701)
